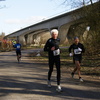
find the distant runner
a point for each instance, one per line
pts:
(13, 42)
(18, 50)
(52, 47)
(78, 49)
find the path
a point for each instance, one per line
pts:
(28, 81)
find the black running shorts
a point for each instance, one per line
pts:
(77, 58)
(18, 52)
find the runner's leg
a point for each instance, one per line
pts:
(57, 63)
(77, 64)
(75, 69)
(17, 55)
(51, 64)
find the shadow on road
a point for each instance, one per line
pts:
(12, 84)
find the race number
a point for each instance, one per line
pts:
(76, 51)
(18, 47)
(56, 52)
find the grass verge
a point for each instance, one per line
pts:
(90, 64)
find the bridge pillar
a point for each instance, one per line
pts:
(22, 40)
(63, 30)
(38, 38)
(30, 39)
(41, 38)
(77, 29)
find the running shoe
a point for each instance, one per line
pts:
(49, 83)
(81, 80)
(59, 88)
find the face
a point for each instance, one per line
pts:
(76, 41)
(54, 35)
(17, 41)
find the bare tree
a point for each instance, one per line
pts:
(91, 17)
(2, 6)
(77, 3)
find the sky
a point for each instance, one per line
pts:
(18, 14)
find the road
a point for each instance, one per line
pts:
(28, 81)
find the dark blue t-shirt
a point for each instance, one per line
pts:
(17, 46)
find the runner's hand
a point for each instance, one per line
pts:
(70, 54)
(79, 49)
(53, 48)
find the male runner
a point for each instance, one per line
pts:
(52, 47)
(78, 49)
(18, 49)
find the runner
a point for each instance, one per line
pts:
(52, 47)
(18, 50)
(78, 49)
(13, 42)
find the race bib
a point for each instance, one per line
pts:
(18, 47)
(76, 51)
(56, 52)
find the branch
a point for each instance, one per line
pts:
(2, 6)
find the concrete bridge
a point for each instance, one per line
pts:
(37, 34)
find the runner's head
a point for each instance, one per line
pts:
(17, 41)
(76, 40)
(54, 33)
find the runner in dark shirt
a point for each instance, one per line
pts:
(78, 49)
(52, 47)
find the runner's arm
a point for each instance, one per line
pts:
(70, 48)
(46, 47)
(14, 46)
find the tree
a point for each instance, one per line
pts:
(2, 6)
(92, 42)
(91, 15)
(78, 3)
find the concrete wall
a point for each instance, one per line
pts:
(40, 38)
(77, 29)
(22, 40)
(63, 30)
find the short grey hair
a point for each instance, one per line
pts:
(54, 31)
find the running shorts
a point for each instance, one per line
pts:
(18, 52)
(77, 58)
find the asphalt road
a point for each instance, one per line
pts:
(28, 81)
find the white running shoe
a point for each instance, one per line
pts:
(59, 88)
(49, 83)
(81, 80)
